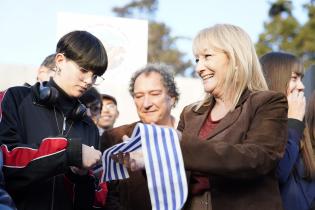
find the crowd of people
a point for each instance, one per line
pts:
(247, 145)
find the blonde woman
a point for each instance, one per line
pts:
(232, 140)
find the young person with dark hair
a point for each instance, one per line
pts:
(92, 100)
(47, 139)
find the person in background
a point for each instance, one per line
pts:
(92, 100)
(296, 170)
(307, 147)
(47, 69)
(154, 92)
(109, 113)
(48, 142)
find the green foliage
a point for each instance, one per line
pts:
(161, 45)
(162, 48)
(283, 32)
(280, 30)
(305, 41)
(142, 7)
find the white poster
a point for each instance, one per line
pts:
(125, 40)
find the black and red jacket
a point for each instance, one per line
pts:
(39, 148)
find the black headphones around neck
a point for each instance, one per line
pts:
(48, 95)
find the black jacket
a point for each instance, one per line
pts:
(38, 151)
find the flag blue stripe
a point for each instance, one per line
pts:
(122, 171)
(180, 181)
(108, 161)
(115, 170)
(132, 143)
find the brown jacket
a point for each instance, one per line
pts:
(240, 155)
(131, 193)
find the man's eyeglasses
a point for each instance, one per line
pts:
(94, 108)
(110, 107)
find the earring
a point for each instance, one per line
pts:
(58, 70)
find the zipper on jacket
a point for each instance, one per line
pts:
(64, 124)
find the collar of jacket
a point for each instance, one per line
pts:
(61, 98)
(206, 107)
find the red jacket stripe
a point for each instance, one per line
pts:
(19, 157)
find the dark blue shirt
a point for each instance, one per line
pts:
(297, 192)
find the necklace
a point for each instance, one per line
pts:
(64, 124)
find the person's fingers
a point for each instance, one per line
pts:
(118, 157)
(115, 157)
(125, 138)
(126, 159)
(133, 165)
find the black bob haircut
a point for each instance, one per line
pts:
(85, 49)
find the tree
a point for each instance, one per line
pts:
(161, 44)
(283, 32)
(280, 30)
(305, 41)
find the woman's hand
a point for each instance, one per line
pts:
(296, 103)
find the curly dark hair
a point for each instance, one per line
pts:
(166, 74)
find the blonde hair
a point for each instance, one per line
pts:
(245, 70)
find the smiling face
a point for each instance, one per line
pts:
(109, 114)
(295, 83)
(212, 66)
(152, 100)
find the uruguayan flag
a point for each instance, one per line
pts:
(163, 164)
